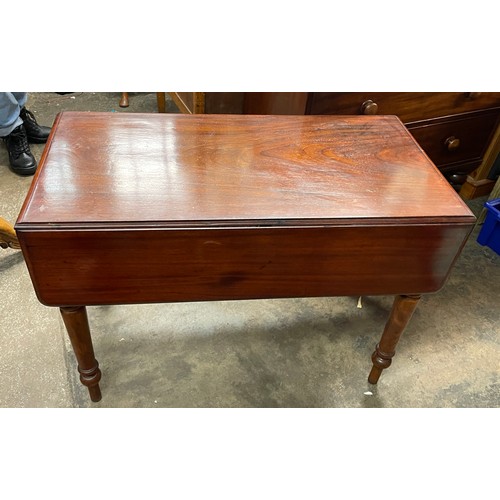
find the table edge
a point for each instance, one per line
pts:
(244, 223)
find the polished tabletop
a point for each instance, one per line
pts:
(235, 169)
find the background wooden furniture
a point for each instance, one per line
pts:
(495, 193)
(453, 128)
(235, 207)
(209, 102)
(189, 102)
(264, 103)
(477, 183)
(160, 98)
(8, 237)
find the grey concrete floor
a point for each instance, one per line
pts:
(263, 353)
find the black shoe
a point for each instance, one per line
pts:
(22, 161)
(36, 133)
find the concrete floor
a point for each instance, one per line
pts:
(264, 353)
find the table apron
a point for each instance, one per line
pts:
(141, 265)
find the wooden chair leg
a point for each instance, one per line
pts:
(124, 100)
(160, 99)
(8, 237)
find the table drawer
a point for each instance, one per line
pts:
(455, 139)
(408, 106)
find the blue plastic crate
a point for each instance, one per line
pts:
(490, 232)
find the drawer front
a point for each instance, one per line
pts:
(408, 106)
(449, 141)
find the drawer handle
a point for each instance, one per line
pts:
(472, 95)
(369, 108)
(452, 143)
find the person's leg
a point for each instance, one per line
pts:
(12, 131)
(36, 133)
(10, 109)
(14, 113)
(21, 98)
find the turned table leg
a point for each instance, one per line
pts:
(402, 311)
(77, 325)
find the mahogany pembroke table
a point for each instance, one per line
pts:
(137, 208)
